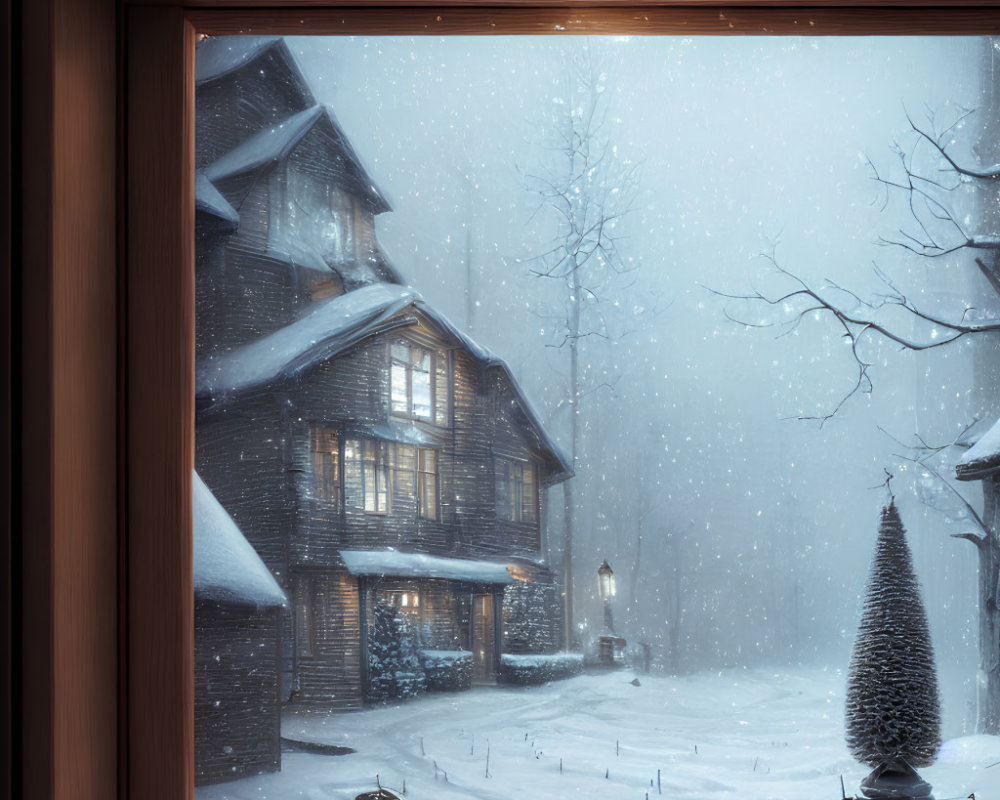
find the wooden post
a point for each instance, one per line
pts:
(363, 633)
(497, 631)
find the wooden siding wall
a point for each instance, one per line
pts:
(351, 392)
(243, 292)
(256, 97)
(470, 474)
(511, 439)
(241, 454)
(330, 676)
(209, 297)
(237, 705)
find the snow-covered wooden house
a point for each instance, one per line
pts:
(370, 451)
(238, 614)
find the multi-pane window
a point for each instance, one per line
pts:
(516, 491)
(366, 475)
(410, 378)
(427, 483)
(326, 466)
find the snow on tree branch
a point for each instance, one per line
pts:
(857, 319)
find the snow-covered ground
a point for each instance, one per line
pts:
(736, 734)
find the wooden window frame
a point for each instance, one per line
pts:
(330, 493)
(409, 369)
(380, 454)
(516, 503)
(99, 377)
(428, 482)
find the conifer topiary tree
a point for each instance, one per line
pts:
(893, 716)
(394, 669)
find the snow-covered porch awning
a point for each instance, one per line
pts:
(982, 459)
(392, 563)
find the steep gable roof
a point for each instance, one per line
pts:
(226, 567)
(221, 56)
(332, 328)
(268, 147)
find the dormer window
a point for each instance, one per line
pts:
(318, 215)
(411, 381)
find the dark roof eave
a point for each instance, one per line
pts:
(977, 471)
(558, 476)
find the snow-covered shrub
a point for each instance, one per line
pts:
(528, 670)
(447, 670)
(893, 714)
(528, 619)
(394, 669)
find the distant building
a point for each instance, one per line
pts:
(238, 607)
(369, 450)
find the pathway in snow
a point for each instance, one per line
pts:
(745, 735)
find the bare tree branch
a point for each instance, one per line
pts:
(975, 538)
(929, 452)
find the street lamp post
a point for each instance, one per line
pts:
(606, 589)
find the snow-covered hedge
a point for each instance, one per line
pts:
(539, 668)
(447, 670)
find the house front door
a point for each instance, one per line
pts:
(483, 639)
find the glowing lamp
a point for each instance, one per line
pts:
(605, 581)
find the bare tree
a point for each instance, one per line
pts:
(952, 212)
(587, 188)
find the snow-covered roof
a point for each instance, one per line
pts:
(270, 146)
(417, 565)
(333, 327)
(982, 459)
(209, 200)
(218, 56)
(299, 253)
(226, 567)
(353, 272)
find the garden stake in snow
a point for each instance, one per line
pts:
(893, 716)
